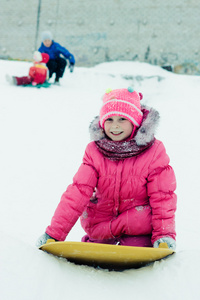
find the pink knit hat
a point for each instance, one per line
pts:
(122, 102)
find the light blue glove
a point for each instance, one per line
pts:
(171, 243)
(71, 67)
(43, 239)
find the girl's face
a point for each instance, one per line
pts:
(47, 43)
(118, 128)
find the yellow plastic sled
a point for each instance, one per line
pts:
(106, 256)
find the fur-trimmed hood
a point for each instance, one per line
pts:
(144, 134)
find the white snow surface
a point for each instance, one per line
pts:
(44, 133)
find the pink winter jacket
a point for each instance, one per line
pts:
(133, 196)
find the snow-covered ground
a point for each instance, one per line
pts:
(43, 134)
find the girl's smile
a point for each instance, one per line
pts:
(118, 128)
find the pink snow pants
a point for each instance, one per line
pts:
(125, 240)
(25, 80)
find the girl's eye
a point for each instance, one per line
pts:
(109, 120)
(122, 119)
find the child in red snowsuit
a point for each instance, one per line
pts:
(38, 73)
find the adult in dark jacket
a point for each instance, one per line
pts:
(56, 64)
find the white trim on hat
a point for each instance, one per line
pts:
(123, 101)
(120, 114)
(37, 56)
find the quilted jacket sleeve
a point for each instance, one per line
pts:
(74, 200)
(161, 186)
(32, 72)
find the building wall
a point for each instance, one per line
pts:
(158, 32)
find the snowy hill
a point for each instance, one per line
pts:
(43, 137)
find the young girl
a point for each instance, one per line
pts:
(38, 73)
(124, 189)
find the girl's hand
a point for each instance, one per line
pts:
(171, 243)
(43, 239)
